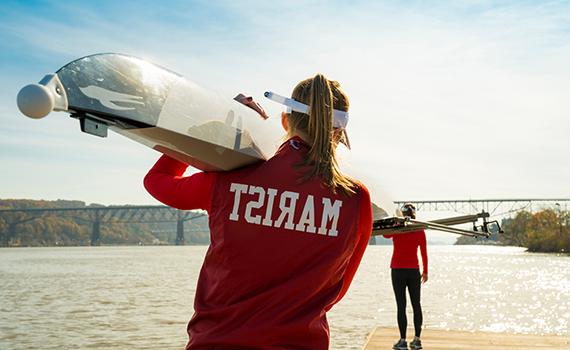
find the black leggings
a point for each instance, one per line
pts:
(402, 278)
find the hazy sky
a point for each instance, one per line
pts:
(462, 99)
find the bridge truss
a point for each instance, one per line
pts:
(495, 207)
(102, 215)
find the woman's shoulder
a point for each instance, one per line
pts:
(360, 189)
(360, 186)
(417, 234)
(246, 170)
(360, 196)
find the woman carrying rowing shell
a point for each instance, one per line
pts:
(287, 234)
(406, 274)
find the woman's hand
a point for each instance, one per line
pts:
(424, 277)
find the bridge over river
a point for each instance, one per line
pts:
(495, 207)
(98, 216)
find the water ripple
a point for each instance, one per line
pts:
(141, 297)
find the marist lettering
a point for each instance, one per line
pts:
(259, 210)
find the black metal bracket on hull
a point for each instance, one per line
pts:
(98, 123)
(92, 125)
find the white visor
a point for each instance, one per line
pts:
(340, 118)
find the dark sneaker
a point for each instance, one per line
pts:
(400, 345)
(416, 344)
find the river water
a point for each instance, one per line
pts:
(141, 297)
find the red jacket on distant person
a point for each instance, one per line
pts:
(282, 252)
(405, 254)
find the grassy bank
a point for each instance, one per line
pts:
(545, 231)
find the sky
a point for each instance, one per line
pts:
(449, 100)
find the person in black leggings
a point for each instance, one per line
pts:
(406, 274)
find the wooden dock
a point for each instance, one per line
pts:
(382, 338)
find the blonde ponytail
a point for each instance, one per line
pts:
(322, 96)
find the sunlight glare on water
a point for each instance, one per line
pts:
(141, 297)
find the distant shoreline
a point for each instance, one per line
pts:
(206, 245)
(70, 223)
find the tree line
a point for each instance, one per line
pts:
(543, 231)
(25, 230)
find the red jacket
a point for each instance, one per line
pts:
(405, 254)
(282, 253)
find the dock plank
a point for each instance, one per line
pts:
(437, 339)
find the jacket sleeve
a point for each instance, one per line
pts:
(165, 182)
(423, 252)
(364, 230)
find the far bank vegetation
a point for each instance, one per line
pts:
(543, 231)
(22, 229)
